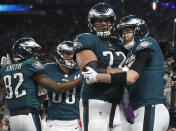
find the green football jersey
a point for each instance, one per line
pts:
(22, 90)
(148, 89)
(109, 55)
(63, 106)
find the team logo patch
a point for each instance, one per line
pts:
(37, 65)
(143, 45)
(77, 45)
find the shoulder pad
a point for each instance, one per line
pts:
(143, 45)
(52, 63)
(85, 36)
(83, 40)
(77, 45)
(37, 65)
(49, 64)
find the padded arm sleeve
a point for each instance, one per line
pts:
(96, 67)
(142, 59)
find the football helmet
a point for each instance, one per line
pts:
(64, 55)
(101, 11)
(138, 25)
(25, 48)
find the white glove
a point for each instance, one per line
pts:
(89, 75)
(8, 59)
(5, 60)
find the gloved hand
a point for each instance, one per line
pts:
(5, 60)
(89, 75)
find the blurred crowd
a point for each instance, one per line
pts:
(50, 28)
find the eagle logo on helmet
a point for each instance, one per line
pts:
(138, 25)
(65, 47)
(25, 48)
(101, 11)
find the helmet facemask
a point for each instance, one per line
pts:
(102, 27)
(101, 20)
(64, 55)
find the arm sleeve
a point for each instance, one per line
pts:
(34, 68)
(143, 58)
(96, 67)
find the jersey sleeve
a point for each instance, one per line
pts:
(146, 44)
(143, 58)
(84, 41)
(47, 68)
(34, 68)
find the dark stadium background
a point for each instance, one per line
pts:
(52, 21)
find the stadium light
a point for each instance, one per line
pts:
(171, 4)
(14, 7)
(154, 5)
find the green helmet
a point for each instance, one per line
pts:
(101, 11)
(25, 48)
(139, 26)
(65, 47)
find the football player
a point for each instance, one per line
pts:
(143, 73)
(99, 105)
(21, 80)
(63, 108)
